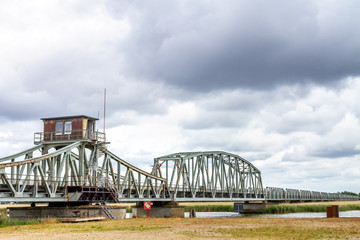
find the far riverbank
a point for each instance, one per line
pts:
(275, 209)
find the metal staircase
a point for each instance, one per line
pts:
(109, 211)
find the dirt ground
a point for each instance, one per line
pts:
(181, 228)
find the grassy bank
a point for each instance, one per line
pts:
(276, 209)
(5, 221)
(308, 208)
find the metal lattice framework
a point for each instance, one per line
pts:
(74, 171)
(85, 171)
(209, 176)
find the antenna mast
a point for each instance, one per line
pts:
(104, 107)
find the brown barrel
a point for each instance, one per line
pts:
(329, 213)
(335, 211)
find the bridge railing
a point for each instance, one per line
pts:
(40, 137)
(278, 194)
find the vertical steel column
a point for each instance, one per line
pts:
(81, 150)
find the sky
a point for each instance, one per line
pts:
(276, 82)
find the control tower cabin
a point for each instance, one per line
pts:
(69, 128)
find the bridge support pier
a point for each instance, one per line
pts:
(256, 207)
(159, 209)
(78, 212)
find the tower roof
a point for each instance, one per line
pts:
(70, 117)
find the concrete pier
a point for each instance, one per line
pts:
(256, 207)
(85, 211)
(167, 210)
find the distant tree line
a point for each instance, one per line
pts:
(349, 193)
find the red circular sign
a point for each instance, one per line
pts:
(147, 205)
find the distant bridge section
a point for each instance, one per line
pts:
(281, 194)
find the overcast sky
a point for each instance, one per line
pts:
(276, 82)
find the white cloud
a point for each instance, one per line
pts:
(51, 48)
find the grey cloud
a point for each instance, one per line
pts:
(251, 44)
(311, 122)
(296, 157)
(19, 105)
(254, 157)
(237, 100)
(72, 81)
(336, 152)
(218, 119)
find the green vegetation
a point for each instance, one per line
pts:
(349, 193)
(5, 221)
(210, 208)
(276, 209)
(128, 209)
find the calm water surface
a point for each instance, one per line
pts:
(285, 215)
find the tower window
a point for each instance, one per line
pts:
(58, 128)
(67, 127)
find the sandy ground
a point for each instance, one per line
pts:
(180, 228)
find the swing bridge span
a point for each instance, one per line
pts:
(84, 171)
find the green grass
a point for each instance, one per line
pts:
(5, 221)
(128, 209)
(276, 209)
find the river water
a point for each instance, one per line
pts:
(284, 215)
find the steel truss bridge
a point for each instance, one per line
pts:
(85, 171)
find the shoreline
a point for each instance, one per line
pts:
(276, 209)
